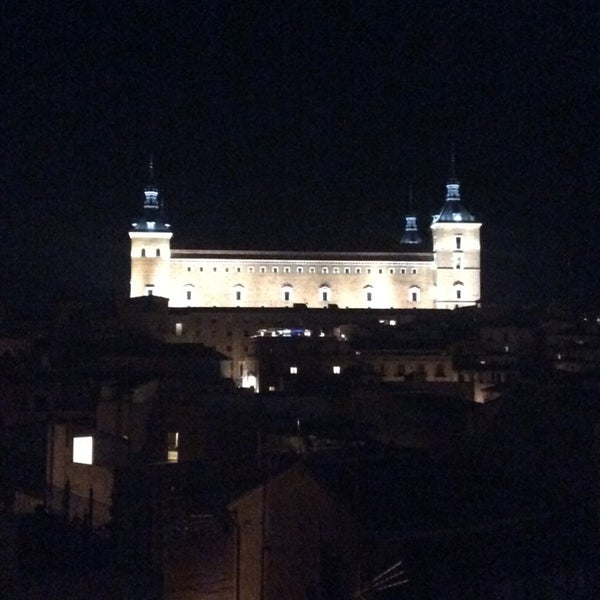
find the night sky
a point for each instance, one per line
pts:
(298, 125)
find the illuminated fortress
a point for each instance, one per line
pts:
(446, 276)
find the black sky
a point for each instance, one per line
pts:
(298, 125)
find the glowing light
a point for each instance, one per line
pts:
(294, 370)
(337, 369)
(83, 450)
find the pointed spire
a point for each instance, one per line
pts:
(151, 191)
(453, 186)
(452, 165)
(411, 233)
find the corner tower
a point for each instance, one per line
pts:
(456, 251)
(150, 246)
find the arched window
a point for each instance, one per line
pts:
(369, 293)
(286, 292)
(325, 293)
(238, 292)
(414, 294)
(143, 252)
(458, 290)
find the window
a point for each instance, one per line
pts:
(369, 296)
(226, 269)
(369, 293)
(83, 450)
(286, 269)
(403, 271)
(336, 369)
(300, 270)
(158, 252)
(250, 269)
(324, 295)
(188, 295)
(336, 269)
(237, 292)
(458, 290)
(239, 269)
(143, 252)
(311, 270)
(380, 271)
(369, 271)
(324, 270)
(286, 293)
(238, 295)
(275, 269)
(149, 289)
(263, 269)
(358, 270)
(458, 241)
(178, 328)
(173, 446)
(201, 269)
(189, 269)
(346, 270)
(293, 370)
(413, 271)
(391, 271)
(457, 264)
(414, 294)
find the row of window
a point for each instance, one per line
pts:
(324, 270)
(324, 293)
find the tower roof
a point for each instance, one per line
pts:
(153, 218)
(453, 210)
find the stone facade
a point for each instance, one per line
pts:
(447, 276)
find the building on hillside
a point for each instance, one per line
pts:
(445, 276)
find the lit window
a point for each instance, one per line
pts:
(293, 370)
(178, 328)
(173, 446)
(83, 450)
(337, 369)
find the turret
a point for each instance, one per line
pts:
(411, 232)
(150, 245)
(457, 249)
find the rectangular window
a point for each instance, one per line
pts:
(346, 270)
(391, 271)
(300, 269)
(83, 450)
(239, 269)
(413, 271)
(294, 370)
(337, 369)
(458, 240)
(263, 269)
(311, 270)
(214, 269)
(188, 295)
(286, 296)
(324, 296)
(189, 269)
(324, 270)
(201, 269)
(336, 270)
(250, 269)
(275, 269)
(380, 271)
(369, 296)
(238, 295)
(414, 296)
(178, 328)
(458, 294)
(286, 269)
(358, 270)
(403, 271)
